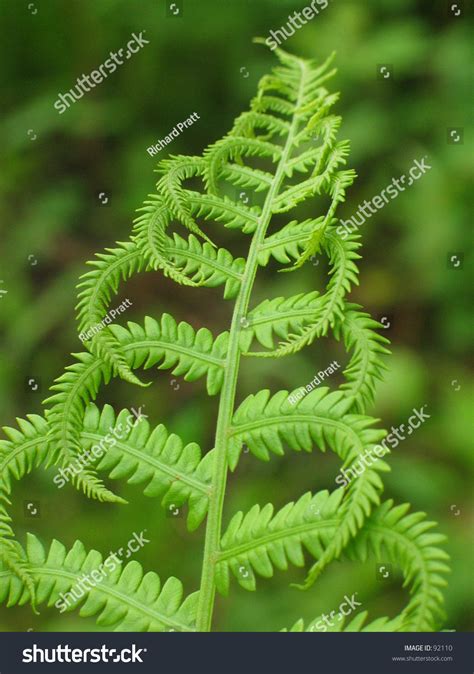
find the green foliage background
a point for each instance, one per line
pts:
(205, 62)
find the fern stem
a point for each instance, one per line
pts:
(227, 397)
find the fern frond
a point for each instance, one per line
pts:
(223, 209)
(211, 266)
(96, 290)
(287, 243)
(247, 122)
(291, 135)
(29, 447)
(406, 541)
(326, 162)
(337, 189)
(74, 389)
(167, 344)
(264, 423)
(174, 171)
(275, 85)
(245, 176)
(90, 484)
(321, 125)
(280, 316)
(170, 469)
(329, 307)
(149, 230)
(287, 79)
(303, 161)
(11, 558)
(366, 366)
(24, 450)
(149, 234)
(273, 104)
(322, 181)
(235, 147)
(293, 195)
(259, 541)
(123, 598)
(157, 248)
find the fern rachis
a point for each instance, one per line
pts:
(291, 110)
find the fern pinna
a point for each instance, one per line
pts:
(291, 130)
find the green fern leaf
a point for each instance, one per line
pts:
(261, 540)
(149, 230)
(210, 266)
(280, 316)
(233, 147)
(96, 290)
(168, 344)
(24, 450)
(21, 453)
(286, 149)
(337, 189)
(406, 541)
(123, 599)
(176, 257)
(248, 121)
(366, 366)
(246, 176)
(223, 209)
(149, 234)
(79, 384)
(329, 307)
(169, 468)
(273, 104)
(288, 242)
(174, 171)
(264, 423)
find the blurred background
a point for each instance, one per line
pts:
(52, 219)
